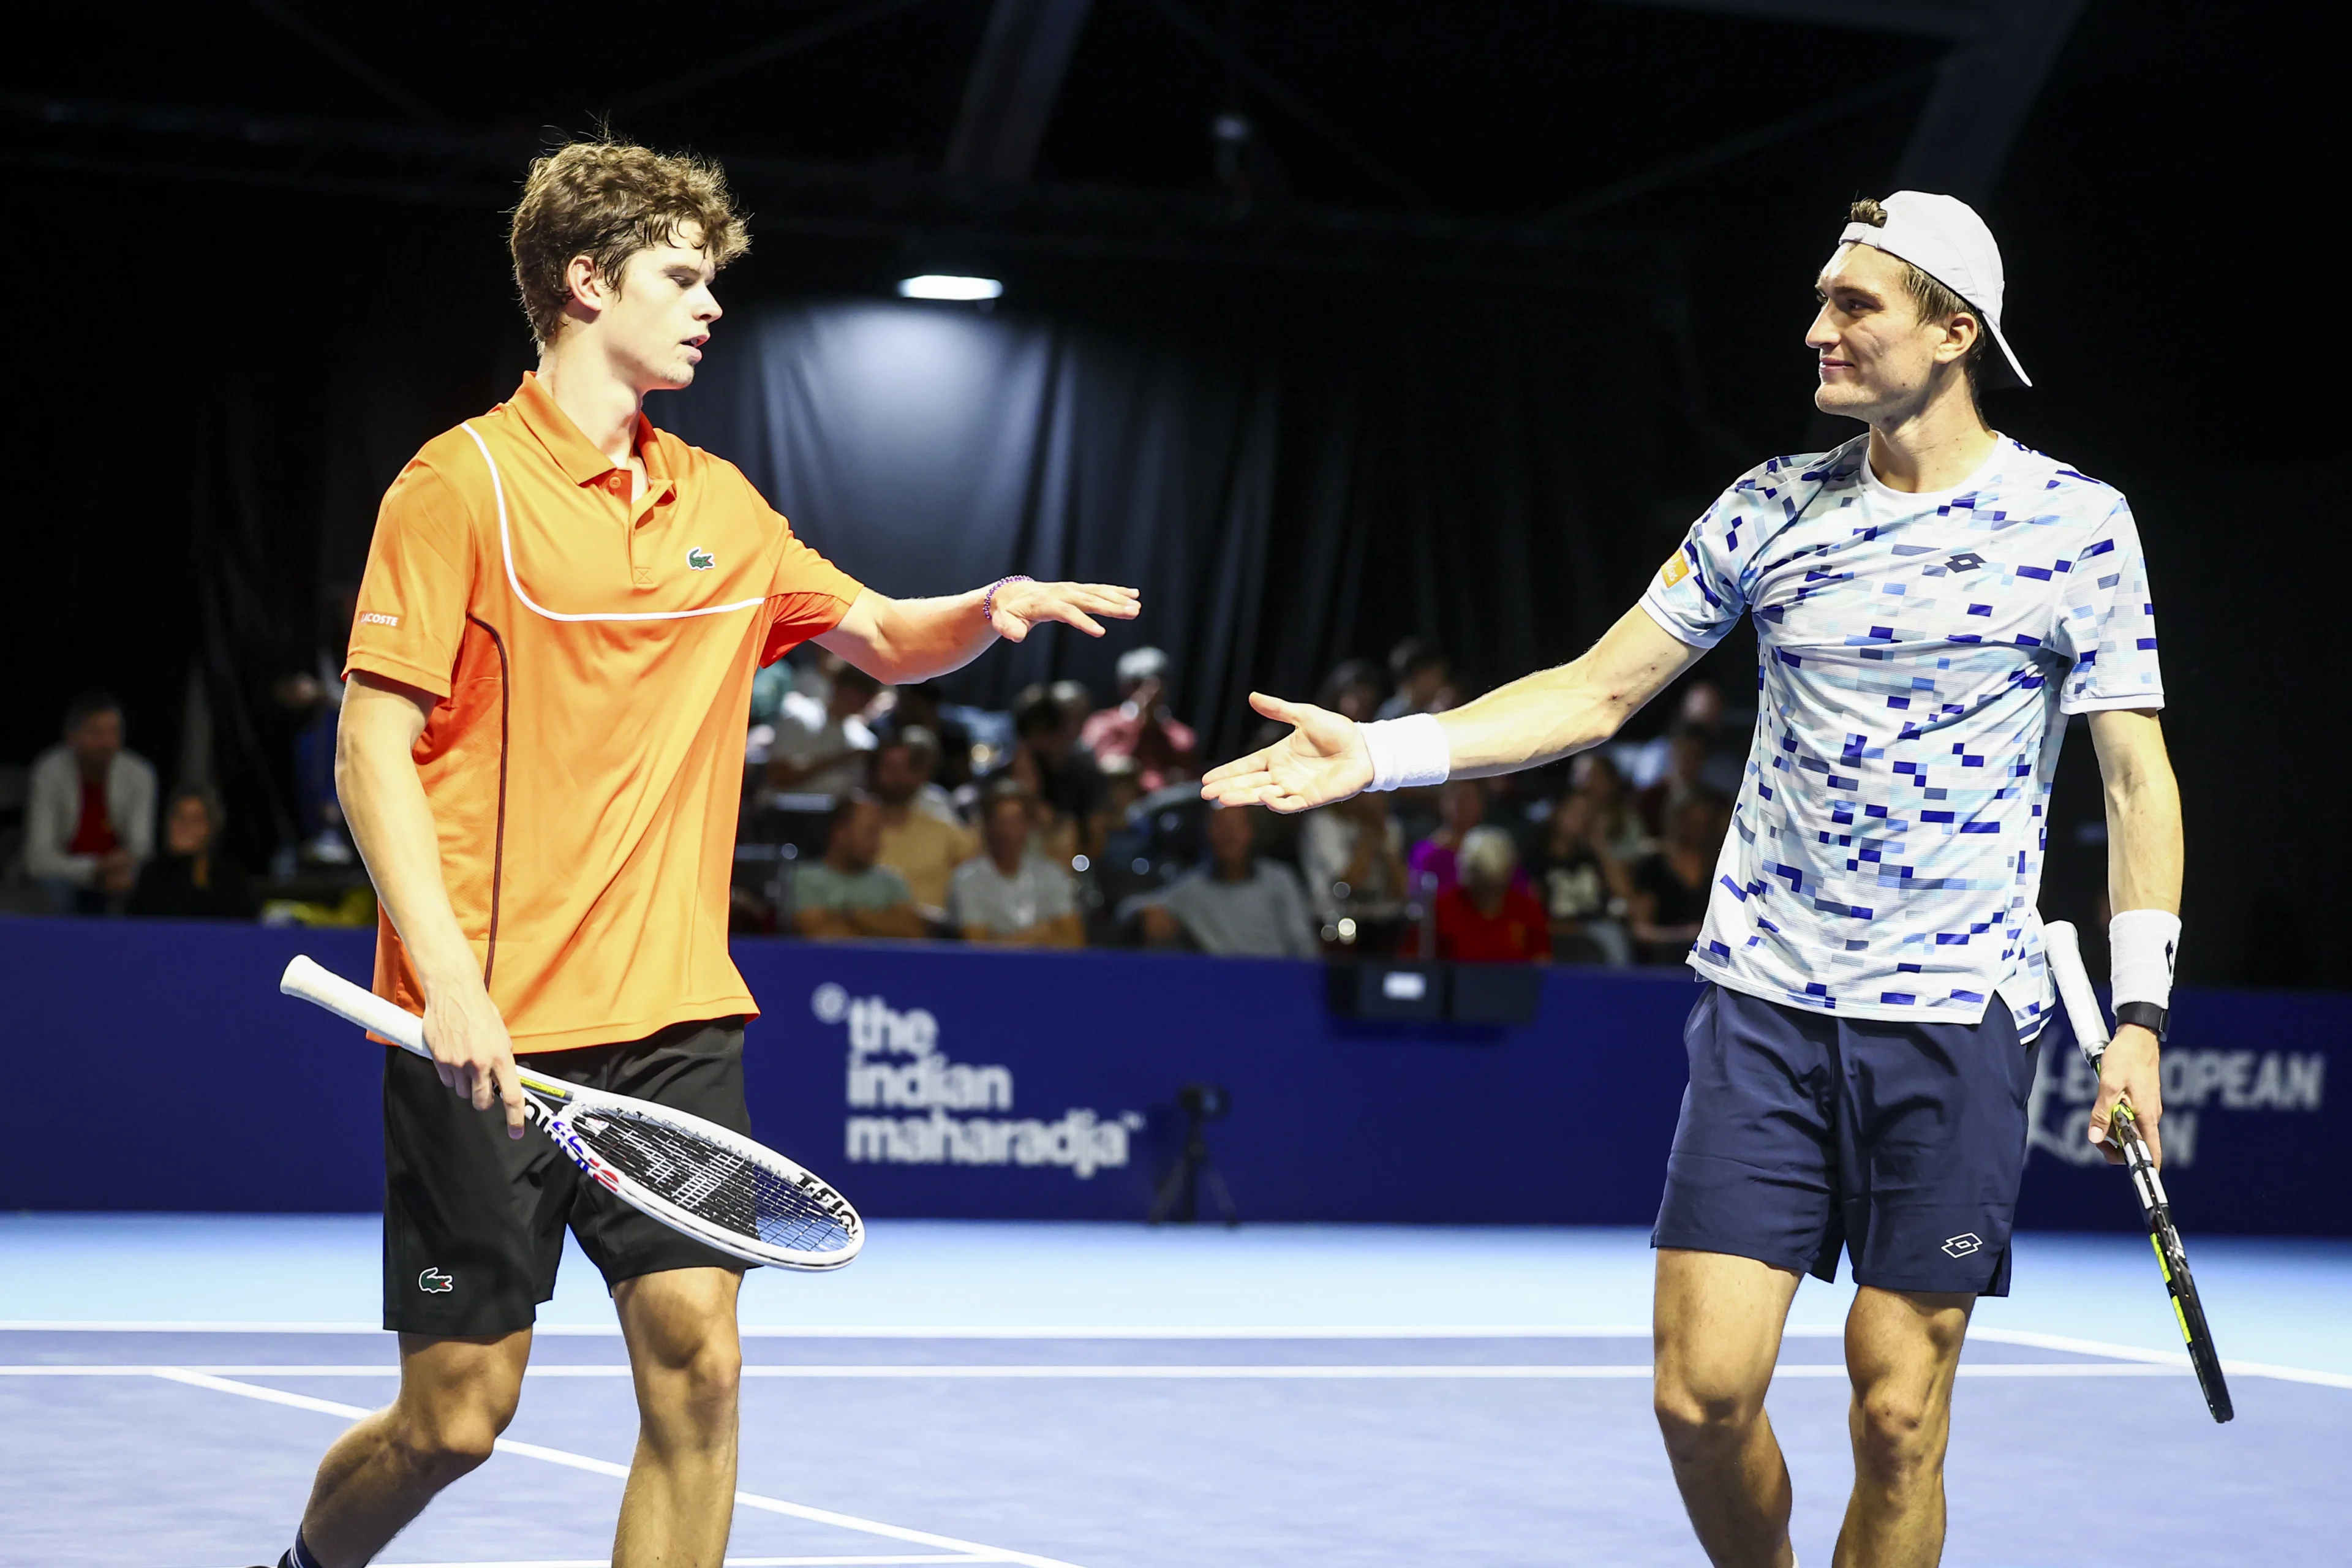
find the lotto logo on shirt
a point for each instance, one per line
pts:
(1677, 567)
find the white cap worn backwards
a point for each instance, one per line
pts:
(1943, 237)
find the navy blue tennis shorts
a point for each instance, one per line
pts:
(1802, 1132)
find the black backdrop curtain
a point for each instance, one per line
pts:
(1286, 490)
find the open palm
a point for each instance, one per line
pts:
(1321, 760)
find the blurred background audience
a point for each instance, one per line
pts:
(1670, 887)
(894, 814)
(1163, 747)
(846, 893)
(192, 879)
(1238, 904)
(90, 812)
(1008, 894)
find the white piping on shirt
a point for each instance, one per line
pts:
(506, 546)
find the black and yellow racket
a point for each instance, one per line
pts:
(2090, 1022)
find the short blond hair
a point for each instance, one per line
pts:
(608, 200)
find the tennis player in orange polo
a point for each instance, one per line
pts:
(540, 756)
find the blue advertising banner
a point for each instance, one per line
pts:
(153, 1066)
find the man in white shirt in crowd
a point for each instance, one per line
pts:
(1238, 905)
(830, 758)
(1010, 895)
(90, 812)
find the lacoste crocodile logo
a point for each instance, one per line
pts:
(433, 1282)
(702, 560)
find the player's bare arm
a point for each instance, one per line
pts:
(904, 640)
(1535, 719)
(2144, 862)
(391, 821)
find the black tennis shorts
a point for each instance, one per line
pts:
(1803, 1134)
(474, 1220)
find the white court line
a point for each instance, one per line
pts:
(732, 1561)
(926, 1332)
(971, 1551)
(1144, 1372)
(2024, 1337)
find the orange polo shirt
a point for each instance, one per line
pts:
(593, 658)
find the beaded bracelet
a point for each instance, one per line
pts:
(988, 600)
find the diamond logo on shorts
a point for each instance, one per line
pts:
(1966, 561)
(1961, 1245)
(433, 1282)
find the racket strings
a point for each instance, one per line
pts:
(716, 1183)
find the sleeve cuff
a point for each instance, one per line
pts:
(407, 674)
(1676, 630)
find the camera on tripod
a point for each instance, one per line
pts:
(1178, 1197)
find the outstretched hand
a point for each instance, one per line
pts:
(1321, 760)
(1020, 606)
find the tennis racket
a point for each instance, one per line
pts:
(695, 1176)
(2090, 1023)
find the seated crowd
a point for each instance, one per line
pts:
(872, 813)
(1058, 825)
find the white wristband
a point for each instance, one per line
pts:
(2140, 947)
(1407, 754)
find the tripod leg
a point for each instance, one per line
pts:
(1225, 1198)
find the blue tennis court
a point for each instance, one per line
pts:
(1113, 1398)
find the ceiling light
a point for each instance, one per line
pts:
(942, 286)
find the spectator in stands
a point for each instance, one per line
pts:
(1010, 895)
(829, 758)
(191, 879)
(1490, 917)
(1078, 706)
(1353, 689)
(1622, 836)
(90, 810)
(846, 894)
(1686, 749)
(1583, 885)
(1237, 904)
(1164, 748)
(1460, 806)
(922, 706)
(1420, 670)
(1050, 768)
(1352, 856)
(923, 841)
(1671, 887)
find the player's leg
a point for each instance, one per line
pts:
(455, 1396)
(676, 1303)
(688, 1363)
(1718, 1334)
(1748, 1209)
(1933, 1130)
(1901, 1349)
(473, 1231)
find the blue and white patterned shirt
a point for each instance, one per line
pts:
(1886, 847)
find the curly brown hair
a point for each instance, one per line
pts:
(607, 200)
(1930, 300)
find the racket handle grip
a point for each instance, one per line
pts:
(355, 1004)
(2064, 952)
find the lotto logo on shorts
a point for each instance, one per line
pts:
(1677, 567)
(433, 1282)
(1963, 1245)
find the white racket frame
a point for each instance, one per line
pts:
(553, 1103)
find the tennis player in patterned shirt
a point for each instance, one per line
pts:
(1930, 600)
(539, 755)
